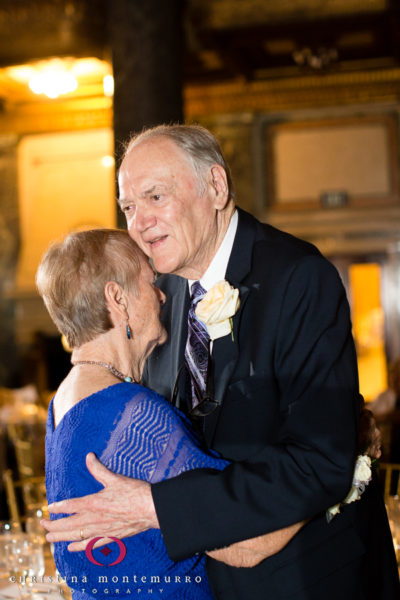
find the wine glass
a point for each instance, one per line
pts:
(24, 559)
(33, 526)
(7, 530)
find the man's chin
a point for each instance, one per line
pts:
(163, 338)
(162, 266)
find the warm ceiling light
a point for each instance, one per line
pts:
(108, 85)
(58, 76)
(53, 82)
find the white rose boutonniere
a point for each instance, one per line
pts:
(361, 478)
(217, 308)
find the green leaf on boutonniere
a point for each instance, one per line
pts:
(231, 322)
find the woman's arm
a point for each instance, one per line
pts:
(251, 552)
(182, 452)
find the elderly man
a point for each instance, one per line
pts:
(278, 397)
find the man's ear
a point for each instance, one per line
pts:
(219, 185)
(115, 298)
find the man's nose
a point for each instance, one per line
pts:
(144, 219)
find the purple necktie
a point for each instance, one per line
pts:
(196, 351)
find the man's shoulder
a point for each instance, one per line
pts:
(271, 245)
(288, 242)
(268, 233)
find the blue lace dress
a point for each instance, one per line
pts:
(137, 433)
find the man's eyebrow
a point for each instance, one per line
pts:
(150, 190)
(160, 186)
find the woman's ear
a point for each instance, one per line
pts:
(219, 185)
(115, 298)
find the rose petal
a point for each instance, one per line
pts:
(217, 330)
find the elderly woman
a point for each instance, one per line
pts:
(99, 290)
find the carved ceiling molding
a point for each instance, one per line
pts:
(202, 101)
(307, 91)
(44, 28)
(221, 14)
(21, 13)
(64, 116)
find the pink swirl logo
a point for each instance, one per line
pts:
(106, 551)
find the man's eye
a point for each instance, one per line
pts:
(156, 197)
(127, 209)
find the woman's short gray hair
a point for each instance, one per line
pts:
(73, 273)
(199, 145)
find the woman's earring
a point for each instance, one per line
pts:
(128, 330)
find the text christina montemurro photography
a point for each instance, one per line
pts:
(106, 584)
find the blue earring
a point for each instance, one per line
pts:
(128, 331)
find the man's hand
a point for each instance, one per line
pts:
(123, 508)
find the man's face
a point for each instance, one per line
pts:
(148, 331)
(166, 215)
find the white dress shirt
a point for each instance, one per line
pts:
(217, 267)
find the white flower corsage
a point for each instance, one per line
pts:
(361, 478)
(217, 308)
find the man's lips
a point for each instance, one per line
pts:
(157, 241)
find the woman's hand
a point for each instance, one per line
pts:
(123, 508)
(251, 552)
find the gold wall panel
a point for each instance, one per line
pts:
(63, 185)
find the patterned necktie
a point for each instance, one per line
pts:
(196, 351)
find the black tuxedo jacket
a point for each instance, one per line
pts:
(289, 406)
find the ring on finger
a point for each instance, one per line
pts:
(81, 534)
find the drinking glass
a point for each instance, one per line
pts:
(24, 560)
(33, 526)
(8, 529)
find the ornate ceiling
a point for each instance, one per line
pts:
(227, 43)
(256, 39)
(225, 39)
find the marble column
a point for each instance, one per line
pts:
(146, 43)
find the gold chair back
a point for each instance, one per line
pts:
(24, 495)
(390, 478)
(28, 443)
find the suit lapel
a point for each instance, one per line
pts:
(180, 309)
(226, 349)
(179, 334)
(164, 362)
(225, 356)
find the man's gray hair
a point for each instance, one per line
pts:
(199, 145)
